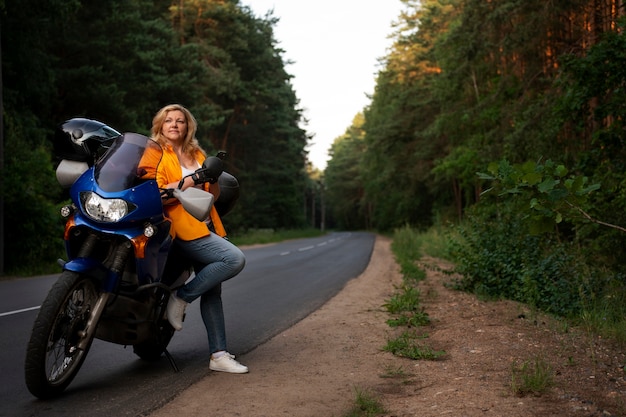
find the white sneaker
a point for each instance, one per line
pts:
(176, 311)
(227, 363)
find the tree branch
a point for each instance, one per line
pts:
(591, 219)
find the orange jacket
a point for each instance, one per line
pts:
(184, 225)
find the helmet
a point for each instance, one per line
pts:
(229, 193)
(83, 140)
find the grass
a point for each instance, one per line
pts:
(262, 236)
(407, 346)
(405, 305)
(416, 319)
(366, 404)
(606, 317)
(407, 249)
(398, 372)
(406, 300)
(434, 242)
(531, 377)
(34, 269)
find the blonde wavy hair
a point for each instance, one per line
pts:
(190, 143)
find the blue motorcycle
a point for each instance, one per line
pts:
(121, 264)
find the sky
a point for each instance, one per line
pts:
(335, 46)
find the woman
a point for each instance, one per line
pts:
(214, 258)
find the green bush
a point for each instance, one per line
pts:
(498, 258)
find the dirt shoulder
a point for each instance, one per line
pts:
(316, 367)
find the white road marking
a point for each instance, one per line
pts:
(9, 313)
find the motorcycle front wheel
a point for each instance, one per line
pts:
(52, 357)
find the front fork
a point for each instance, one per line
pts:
(92, 323)
(115, 273)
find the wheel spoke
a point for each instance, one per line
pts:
(62, 351)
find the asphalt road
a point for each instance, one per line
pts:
(281, 284)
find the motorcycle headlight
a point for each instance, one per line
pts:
(105, 209)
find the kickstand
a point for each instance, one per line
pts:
(171, 359)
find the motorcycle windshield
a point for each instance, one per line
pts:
(131, 160)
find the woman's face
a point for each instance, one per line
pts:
(174, 127)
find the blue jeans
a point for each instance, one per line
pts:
(215, 260)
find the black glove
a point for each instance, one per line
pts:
(211, 170)
(200, 176)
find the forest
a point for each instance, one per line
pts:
(499, 121)
(120, 61)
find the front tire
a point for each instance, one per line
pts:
(52, 357)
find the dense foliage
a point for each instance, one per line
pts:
(529, 86)
(120, 61)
